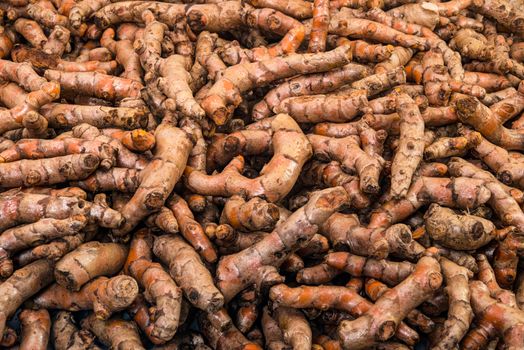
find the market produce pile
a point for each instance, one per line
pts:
(261, 174)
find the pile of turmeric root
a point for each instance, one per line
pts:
(261, 174)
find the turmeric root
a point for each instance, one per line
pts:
(89, 261)
(295, 328)
(103, 295)
(189, 273)
(272, 332)
(507, 321)
(319, 26)
(23, 237)
(377, 324)
(23, 284)
(411, 147)
(459, 232)
(67, 336)
(390, 272)
(36, 329)
(115, 333)
(224, 95)
(160, 176)
(160, 289)
(323, 297)
(231, 269)
(277, 177)
(190, 229)
(253, 215)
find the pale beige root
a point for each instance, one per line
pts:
(114, 333)
(25, 208)
(390, 272)
(235, 272)
(89, 261)
(379, 82)
(319, 26)
(291, 150)
(309, 85)
(458, 192)
(66, 334)
(253, 215)
(163, 72)
(380, 322)
(352, 158)
(411, 146)
(124, 53)
(26, 236)
(507, 321)
(160, 290)
(331, 297)
(399, 58)
(295, 328)
(360, 28)
(445, 147)
(225, 95)
(107, 87)
(295, 8)
(57, 41)
(460, 313)
(191, 229)
(82, 10)
(159, 177)
(331, 174)
(501, 11)
(23, 284)
(425, 14)
(501, 201)
(102, 295)
(459, 232)
(31, 31)
(36, 329)
(189, 273)
(49, 171)
(67, 116)
(274, 338)
(131, 11)
(337, 107)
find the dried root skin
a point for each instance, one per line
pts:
(411, 147)
(36, 329)
(66, 334)
(234, 272)
(459, 232)
(189, 273)
(252, 215)
(160, 289)
(295, 328)
(23, 284)
(103, 295)
(389, 272)
(380, 321)
(173, 146)
(115, 333)
(89, 261)
(26, 236)
(291, 150)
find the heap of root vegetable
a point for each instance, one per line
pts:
(261, 174)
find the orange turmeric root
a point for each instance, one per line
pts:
(319, 26)
(160, 289)
(103, 295)
(379, 323)
(115, 333)
(253, 215)
(66, 334)
(234, 272)
(295, 327)
(36, 329)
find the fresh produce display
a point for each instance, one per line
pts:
(262, 174)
